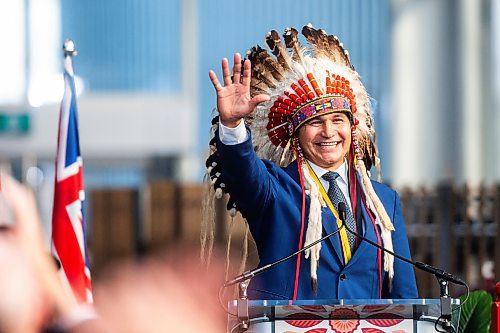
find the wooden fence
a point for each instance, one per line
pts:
(453, 228)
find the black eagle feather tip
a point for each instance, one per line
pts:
(211, 159)
(292, 42)
(310, 33)
(218, 182)
(215, 120)
(213, 141)
(319, 40)
(273, 40)
(314, 285)
(231, 204)
(271, 65)
(326, 45)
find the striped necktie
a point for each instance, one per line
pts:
(336, 196)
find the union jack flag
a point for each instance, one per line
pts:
(68, 236)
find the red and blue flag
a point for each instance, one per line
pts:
(68, 232)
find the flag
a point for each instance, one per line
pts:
(68, 236)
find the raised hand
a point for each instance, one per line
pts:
(233, 99)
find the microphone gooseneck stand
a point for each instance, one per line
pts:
(244, 279)
(442, 276)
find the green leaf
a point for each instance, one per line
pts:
(475, 314)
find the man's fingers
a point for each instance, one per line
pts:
(215, 80)
(226, 74)
(256, 100)
(237, 68)
(246, 72)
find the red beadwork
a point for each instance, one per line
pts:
(294, 97)
(329, 88)
(314, 83)
(279, 109)
(288, 102)
(299, 92)
(283, 106)
(306, 88)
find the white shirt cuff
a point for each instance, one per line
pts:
(232, 136)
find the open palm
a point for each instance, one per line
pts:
(233, 99)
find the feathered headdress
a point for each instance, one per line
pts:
(304, 82)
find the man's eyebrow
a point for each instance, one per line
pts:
(340, 117)
(335, 116)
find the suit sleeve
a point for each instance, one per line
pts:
(249, 179)
(403, 284)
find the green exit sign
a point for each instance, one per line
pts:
(14, 123)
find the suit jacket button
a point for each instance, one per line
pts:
(343, 277)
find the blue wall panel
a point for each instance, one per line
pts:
(125, 45)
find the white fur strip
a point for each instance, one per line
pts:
(314, 225)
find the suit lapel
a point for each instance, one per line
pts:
(369, 233)
(329, 226)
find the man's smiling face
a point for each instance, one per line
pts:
(326, 140)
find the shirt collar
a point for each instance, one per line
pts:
(341, 170)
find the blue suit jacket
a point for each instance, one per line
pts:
(270, 198)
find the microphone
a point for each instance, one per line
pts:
(439, 273)
(256, 271)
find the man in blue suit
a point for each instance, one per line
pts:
(295, 138)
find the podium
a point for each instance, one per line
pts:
(338, 316)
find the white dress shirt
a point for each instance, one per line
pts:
(342, 180)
